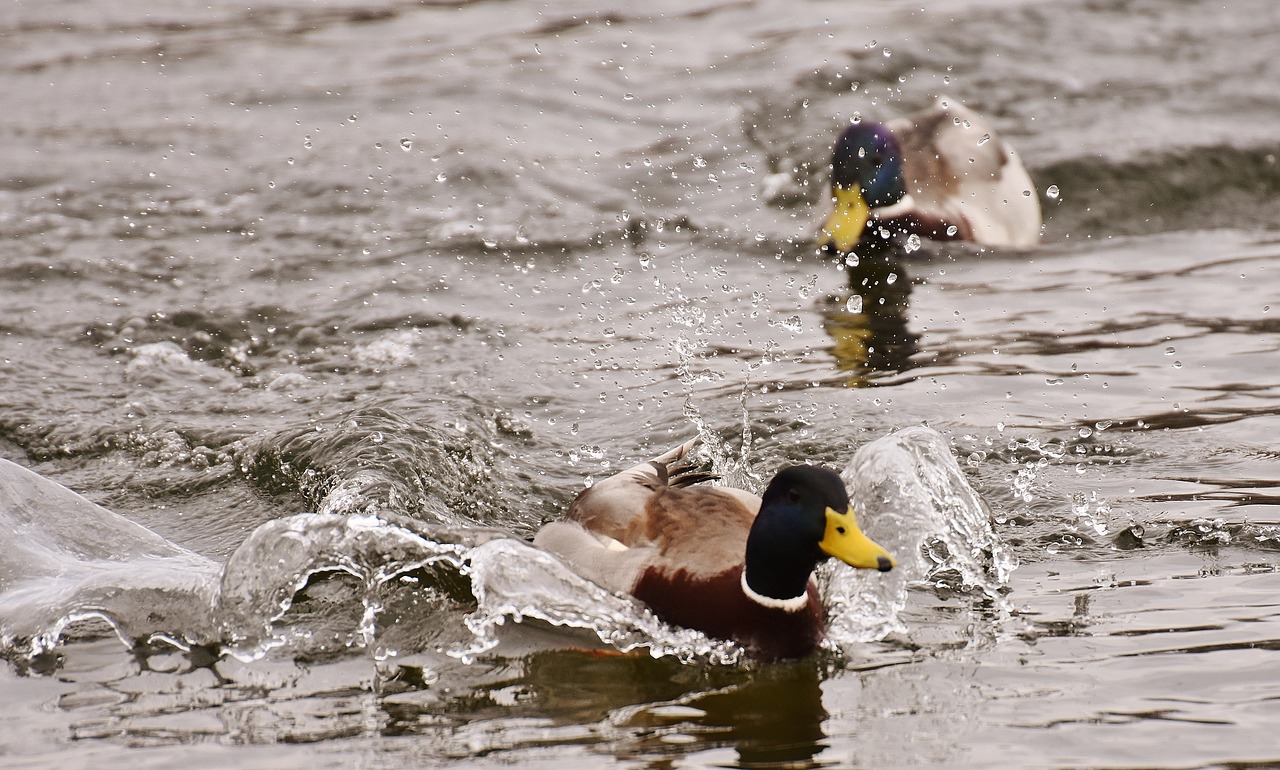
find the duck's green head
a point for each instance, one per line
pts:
(805, 516)
(866, 173)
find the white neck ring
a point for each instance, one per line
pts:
(794, 604)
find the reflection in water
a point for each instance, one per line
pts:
(635, 706)
(775, 718)
(868, 326)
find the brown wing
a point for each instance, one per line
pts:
(617, 506)
(701, 531)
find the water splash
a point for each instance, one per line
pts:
(268, 570)
(67, 560)
(514, 581)
(398, 584)
(912, 498)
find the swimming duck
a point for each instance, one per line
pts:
(717, 559)
(941, 173)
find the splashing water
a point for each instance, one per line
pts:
(91, 564)
(67, 560)
(913, 499)
(512, 580)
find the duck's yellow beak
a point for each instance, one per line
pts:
(846, 542)
(847, 219)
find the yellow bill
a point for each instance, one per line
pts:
(846, 542)
(847, 219)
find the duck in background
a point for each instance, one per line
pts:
(941, 174)
(717, 559)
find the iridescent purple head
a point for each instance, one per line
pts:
(867, 155)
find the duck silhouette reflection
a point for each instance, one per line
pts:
(868, 323)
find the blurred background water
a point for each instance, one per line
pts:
(447, 262)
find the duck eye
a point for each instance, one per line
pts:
(841, 530)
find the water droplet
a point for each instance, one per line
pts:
(1170, 350)
(628, 97)
(791, 323)
(913, 243)
(952, 230)
(406, 144)
(854, 305)
(851, 260)
(985, 138)
(891, 279)
(1052, 192)
(1177, 364)
(306, 142)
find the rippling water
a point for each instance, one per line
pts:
(324, 308)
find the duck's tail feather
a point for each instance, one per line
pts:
(680, 469)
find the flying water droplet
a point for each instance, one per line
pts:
(1052, 192)
(854, 305)
(406, 144)
(913, 243)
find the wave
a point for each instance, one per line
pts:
(1202, 188)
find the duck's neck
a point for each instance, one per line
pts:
(777, 577)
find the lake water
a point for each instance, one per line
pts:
(269, 270)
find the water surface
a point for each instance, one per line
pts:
(449, 262)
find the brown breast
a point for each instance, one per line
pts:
(717, 607)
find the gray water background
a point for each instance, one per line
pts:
(464, 256)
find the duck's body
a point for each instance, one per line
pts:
(716, 559)
(941, 173)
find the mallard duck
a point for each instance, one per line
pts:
(717, 559)
(941, 173)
